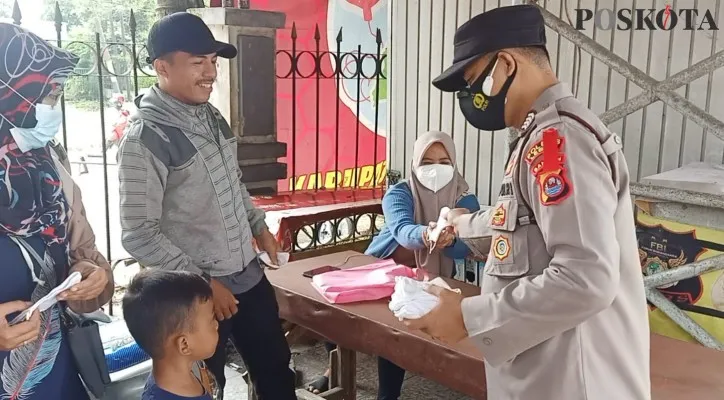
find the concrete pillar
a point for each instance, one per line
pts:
(166, 7)
(245, 91)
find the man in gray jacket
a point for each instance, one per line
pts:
(184, 206)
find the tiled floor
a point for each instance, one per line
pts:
(311, 361)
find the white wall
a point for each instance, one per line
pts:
(656, 138)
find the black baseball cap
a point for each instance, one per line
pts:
(497, 29)
(185, 32)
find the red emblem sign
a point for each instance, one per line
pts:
(550, 172)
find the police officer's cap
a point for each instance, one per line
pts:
(497, 29)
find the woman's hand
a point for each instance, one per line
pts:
(445, 239)
(453, 216)
(90, 287)
(19, 334)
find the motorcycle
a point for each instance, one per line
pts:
(119, 126)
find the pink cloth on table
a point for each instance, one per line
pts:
(366, 283)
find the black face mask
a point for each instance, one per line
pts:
(485, 112)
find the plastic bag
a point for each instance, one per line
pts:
(410, 300)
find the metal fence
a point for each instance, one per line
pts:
(117, 66)
(645, 107)
(105, 67)
(295, 67)
(652, 91)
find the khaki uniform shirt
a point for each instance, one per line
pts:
(562, 314)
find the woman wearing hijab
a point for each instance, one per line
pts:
(409, 207)
(43, 236)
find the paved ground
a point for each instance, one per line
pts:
(311, 361)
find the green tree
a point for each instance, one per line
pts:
(6, 8)
(84, 19)
(111, 19)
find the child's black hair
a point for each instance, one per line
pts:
(158, 304)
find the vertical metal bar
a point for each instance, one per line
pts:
(337, 75)
(429, 71)
(558, 44)
(593, 62)
(134, 56)
(356, 140)
(465, 127)
(390, 103)
(318, 68)
(404, 107)
(491, 196)
(58, 30)
(628, 82)
(17, 15)
(452, 103)
(337, 100)
(710, 81)
(442, 66)
(99, 60)
(665, 111)
(686, 94)
(417, 80)
(294, 106)
(646, 109)
(610, 70)
(378, 72)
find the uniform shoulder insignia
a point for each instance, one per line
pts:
(546, 159)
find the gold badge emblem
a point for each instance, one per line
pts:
(501, 247)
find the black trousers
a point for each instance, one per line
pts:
(389, 376)
(257, 334)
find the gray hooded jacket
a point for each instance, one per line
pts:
(183, 205)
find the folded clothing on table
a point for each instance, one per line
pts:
(366, 283)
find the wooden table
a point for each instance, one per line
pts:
(371, 328)
(678, 369)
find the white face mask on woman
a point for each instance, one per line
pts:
(49, 119)
(434, 176)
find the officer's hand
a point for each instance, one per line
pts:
(445, 322)
(454, 214)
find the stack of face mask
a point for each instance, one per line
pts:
(410, 300)
(282, 257)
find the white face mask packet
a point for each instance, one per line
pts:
(282, 256)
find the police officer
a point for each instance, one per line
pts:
(562, 314)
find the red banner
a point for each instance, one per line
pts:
(353, 138)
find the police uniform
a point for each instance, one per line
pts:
(562, 314)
